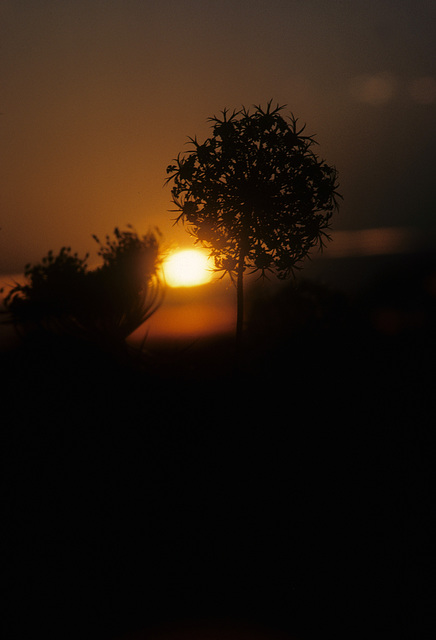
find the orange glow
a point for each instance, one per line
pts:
(190, 320)
(192, 312)
(187, 268)
(371, 242)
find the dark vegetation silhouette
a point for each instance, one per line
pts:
(303, 319)
(142, 496)
(297, 500)
(255, 194)
(104, 305)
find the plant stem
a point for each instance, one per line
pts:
(240, 298)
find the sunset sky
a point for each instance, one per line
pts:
(99, 96)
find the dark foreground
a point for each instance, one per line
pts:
(291, 493)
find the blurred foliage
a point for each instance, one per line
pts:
(62, 296)
(299, 311)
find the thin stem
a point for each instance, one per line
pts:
(240, 304)
(240, 295)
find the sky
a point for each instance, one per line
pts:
(99, 96)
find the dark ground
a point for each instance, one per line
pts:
(292, 492)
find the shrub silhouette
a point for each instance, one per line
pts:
(52, 294)
(255, 194)
(106, 304)
(299, 313)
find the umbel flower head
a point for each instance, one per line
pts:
(255, 193)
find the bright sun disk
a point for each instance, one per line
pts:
(187, 268)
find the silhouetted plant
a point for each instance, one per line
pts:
(128, 284)
(255, 194)
(106, 304)
(51, 293)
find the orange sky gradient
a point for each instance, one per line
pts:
(99, 97)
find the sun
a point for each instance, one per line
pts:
(187, 268)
